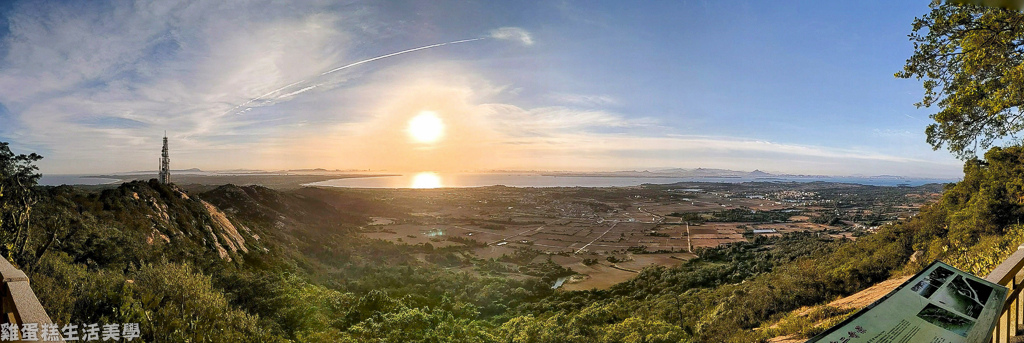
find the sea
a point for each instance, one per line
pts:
(433, 180)
(73, 179)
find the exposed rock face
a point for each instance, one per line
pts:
(229, 222)
(220, 249)
(234, 240)
(156, 233)
(256, 217)
(165, 214)
(224, 225)
(917, 255)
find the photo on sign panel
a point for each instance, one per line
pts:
(939, 275)
(931, 283)
(945, 319)
(925, 288)
(964, 296)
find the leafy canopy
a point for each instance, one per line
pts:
(971, 61)
(18, 176)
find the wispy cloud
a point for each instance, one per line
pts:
(489, 135)
(513, 33)
(275, 85)
(546, 121)
(585, 100)
(80, 78)
(286, 92)
(571, 151)
(896, 133)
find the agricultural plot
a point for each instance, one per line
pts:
(606, 235)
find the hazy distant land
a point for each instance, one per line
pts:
(296, 178)
(190, 181)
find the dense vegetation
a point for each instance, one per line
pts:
(745, 215)
(968, 57)
(153, 254)
(724, 297)
(308, 278)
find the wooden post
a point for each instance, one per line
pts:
(1011, 314)
(1006, 273)
(1020, 313)
(1015, 323)
(20, 304)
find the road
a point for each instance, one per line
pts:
(598, 237)
(659, 219)
(516, 235)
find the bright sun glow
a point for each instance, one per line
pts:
(426, 180)
(426, 127)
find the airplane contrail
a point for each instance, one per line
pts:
(261, 97)
(399, 53)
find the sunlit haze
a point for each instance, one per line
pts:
(426, 127)
(454, 86)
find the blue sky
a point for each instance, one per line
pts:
(795, 87)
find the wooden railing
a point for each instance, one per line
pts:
(17, 301)
(1009, 274)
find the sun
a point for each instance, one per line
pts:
(426, 180)
(426, 127)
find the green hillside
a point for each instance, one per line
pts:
(255, 264)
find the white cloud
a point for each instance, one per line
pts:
(546, 121)
(597, 151)
(494, 135)
(98, 86)
(512, 33)
(156, 65)
(585, 100)
(898, 134)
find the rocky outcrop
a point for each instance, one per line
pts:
(228, 233)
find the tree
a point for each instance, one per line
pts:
(18, 176)
(971, 61)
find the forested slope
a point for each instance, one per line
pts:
(255, 264)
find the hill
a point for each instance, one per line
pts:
(256, 264)
(247, 264)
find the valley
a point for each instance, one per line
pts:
(607, 235)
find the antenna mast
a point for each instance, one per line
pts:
(165, 163)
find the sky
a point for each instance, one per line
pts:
(799, 87)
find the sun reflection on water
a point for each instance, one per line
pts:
(426, 180)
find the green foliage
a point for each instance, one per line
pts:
(99, 257)
(18, 176)
(744, 215)
(421, 325)
(977, 220)
(811, 322)
(179, 304)
(969, 58)
(595, 323)
(828, 219)
(989, 252)
(640, 330)
(171, 302)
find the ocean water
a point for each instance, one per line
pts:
(65, 179)
(433, 180)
